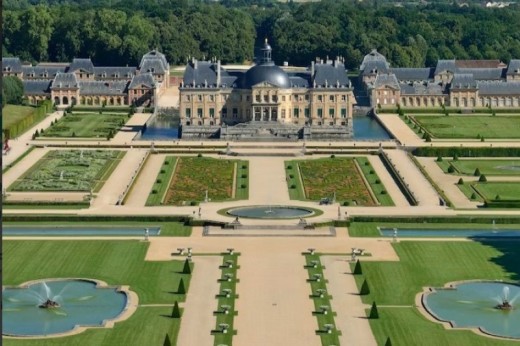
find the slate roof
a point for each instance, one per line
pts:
(37, 87)
(65, 80)
(421, 88)
(153, 65)
(81, 64)
(12, 64)
(42, 72)
(409, 74)
(202, 72)
(154, 54)
(114, 72)
(299, 81)
(103, 87)
(498, 88)
(463, 81)
(331, 74)
(445, 65)
(479, 64)
(483, 73)
(388, 80)
(513, 67)
(375, 67)
(145, 79)
(374, 57)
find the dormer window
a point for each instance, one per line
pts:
(104, 75)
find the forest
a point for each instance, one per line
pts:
(115, 32)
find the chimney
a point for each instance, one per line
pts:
(312, 69)
(218, 73)
(194, 63)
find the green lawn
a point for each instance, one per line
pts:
(424, 264)
(487, 167)
(115, 262)
(470, 126)
(87, 125)
(506, 190)
(324, 177)
(192, 176)
(82, 170)
(11, 114)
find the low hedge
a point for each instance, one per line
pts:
(122, 109)
(466, 152)
(28, 121)
(502, 204)
(438, 219)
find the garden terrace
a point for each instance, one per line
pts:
(470, 126)
(69, 170)
(115, 262)
(185, 180)
(353, 180)
(487, 167)
(394, 286)
(87, 125)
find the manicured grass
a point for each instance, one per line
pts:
(369, 229)
(115, 262)
(469, 126)
(162, 181)
(324, 177)
(21, 205)
(469, 192)
(505, 190)
(79, 173)
(87, 125)
(18, 159)
(194, 176)
(168, 229)
(323, 319)
(226, 338)
(432, 264)
(375, 183)
(487, 167)
(11, 114)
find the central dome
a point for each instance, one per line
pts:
(269, 73)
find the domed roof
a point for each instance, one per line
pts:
(269, 73)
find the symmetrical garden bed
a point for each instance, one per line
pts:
(87, 125)
(69, 170)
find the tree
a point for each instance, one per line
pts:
(365, 290)
(461, 181)
(167, 341)
(482, 178)
(374, 314)
(176, 312)
(187, 268)
(181, 289)
(477, 172)
(12, 90)
(388, 342)
(357, 268)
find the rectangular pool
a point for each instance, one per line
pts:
(79, 231)
(450, 233)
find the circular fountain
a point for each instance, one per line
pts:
(56, 307)
(270, 212)
(486, 306)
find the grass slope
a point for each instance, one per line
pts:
(87, 125)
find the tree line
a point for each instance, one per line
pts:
(114, 32)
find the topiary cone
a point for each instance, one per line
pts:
(374, 314)
(364, 288)
(357, 268)
(187, 268)
(176, 312)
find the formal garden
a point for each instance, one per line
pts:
(476, 167)
(478, 127)
(69, 170)
(86, 125)
(159, 285)
(189, 180)
(394, 286)
(352, 181)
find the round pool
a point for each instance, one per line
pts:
(478, 305)
(270, 212)
(76, 302)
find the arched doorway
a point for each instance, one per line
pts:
(65, 100)
(56, 100)
(73, 100)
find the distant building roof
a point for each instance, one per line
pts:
(103, 87)
(463, 81)
(65, 80)
(498, 88)
(12, 65)
(332, 74)
(145, 79)
(154, 54)
(421, 88)
(42, 72)
(37, 87)
(479, 64)
(386, 80)
(483, 73)
(81, 65)
(513, 67)
(446, 66)
(114, 72)
(202, 73)
(374, 56)
(410, 74)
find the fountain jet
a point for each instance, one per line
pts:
(505, 305)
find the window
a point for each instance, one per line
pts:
(283, 113)
(224, 112)
(343, 112)
(275, 98)
(247, 98)
(235, 112)
(320, 113)
(211, 98)
(296, 112)
(212, 112)
(199, 112)
(283, 98)
(200, 98)
(188, 112)
(320, 98)
(258, 99)
(331, 98)
(331, 112)
(343, 98)
(307, 112)
(188, 97)
(306, 97)
(266, 98)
